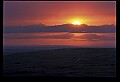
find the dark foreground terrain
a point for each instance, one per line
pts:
(74, 62)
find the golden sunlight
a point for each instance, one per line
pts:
(76, 23)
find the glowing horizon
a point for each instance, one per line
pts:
(60, 14)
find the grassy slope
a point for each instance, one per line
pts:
(74, 62)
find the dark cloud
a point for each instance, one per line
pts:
(90, 36)
(57, 36)
(61, 28)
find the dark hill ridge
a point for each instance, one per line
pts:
(69, 62)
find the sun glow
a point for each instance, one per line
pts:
(76, 23)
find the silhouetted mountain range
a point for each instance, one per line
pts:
(83, 28)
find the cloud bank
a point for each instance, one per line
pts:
(57, 36)
(84, 37)
(90, 36)
(60, 28)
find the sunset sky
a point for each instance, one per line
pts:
(59, 12)
(100, 18)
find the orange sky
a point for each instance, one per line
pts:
(53, 13)
(67, 42)
(75, 40)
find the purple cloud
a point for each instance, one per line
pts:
(61, 28)
(90, 36)
(57, 36)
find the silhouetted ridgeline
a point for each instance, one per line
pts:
(8, 50)
(83, 28)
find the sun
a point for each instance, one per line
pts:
(76, 23)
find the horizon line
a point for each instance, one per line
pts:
(56, 24)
